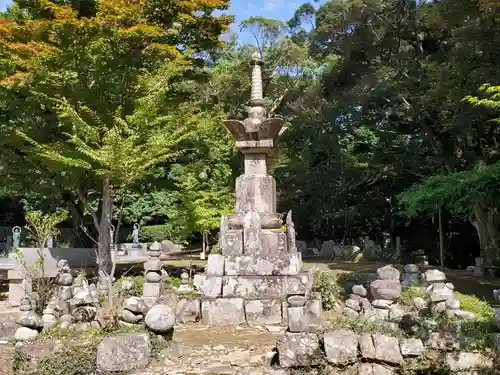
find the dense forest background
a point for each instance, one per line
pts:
(113, 109)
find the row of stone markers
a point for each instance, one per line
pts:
(386, 290)
(381, 353)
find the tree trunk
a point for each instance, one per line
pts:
(104, 240)
(485, 224)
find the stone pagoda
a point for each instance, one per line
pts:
(258, 267)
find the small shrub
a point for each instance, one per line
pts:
(360, 326)
(475, 335)
(409, 294)
(73, 358)
(326, 284)
(430, 363)
(137, 286)
(482, 309)
(154, 233)
(173, 283)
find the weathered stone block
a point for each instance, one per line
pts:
(151, 289)
(272, 264)
(215, 265)
(284, 311)
(298, 320)
(260, 312)
(188, 310)
(412, 347)
(252, 241)
(468, 361)
(298, 284)
(272, 241)
(232, 242)
(208, 286)
(123, 353)
(366, 346)
(387, 349)
(299, 349)
(341, 347)
(255, 193)
(266, 287)
(223, 312)
(313, 305)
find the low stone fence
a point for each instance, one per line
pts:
(374, 354)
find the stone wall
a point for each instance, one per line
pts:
(347, 352)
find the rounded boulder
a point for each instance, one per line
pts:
(160, 318)
(386, 289)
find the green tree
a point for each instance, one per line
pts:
(106, 92)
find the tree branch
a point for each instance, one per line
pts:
(89, 209)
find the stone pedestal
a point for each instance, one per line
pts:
(153, 276)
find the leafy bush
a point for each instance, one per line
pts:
(326, 283)
(137, 286)
(482, 309)
(409, 294)
(154, 233)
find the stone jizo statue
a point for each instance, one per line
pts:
(135, 235)
(16, 237)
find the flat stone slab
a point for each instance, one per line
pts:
(461, 361)
(124, 352)
(263, 312)
(272, 287)
(264, 287)
(222, 312)
(299, 349)
(279, 263)
(341, 346)
(208, 286)
(387, 349)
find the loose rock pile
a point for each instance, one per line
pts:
(385, 291)
(72, 304)
(31, 323)
(349, 352)
(440, 296)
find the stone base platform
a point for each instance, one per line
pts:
(253, 289)
(221, 312)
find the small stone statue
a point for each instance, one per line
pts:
(135, 235)
(290, 233)
(16, 237)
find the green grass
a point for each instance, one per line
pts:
(481, 308)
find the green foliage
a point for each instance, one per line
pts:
(360, 326)
(73, 357)
(409, 293)
(78, 354)
(152, 233)
(137, 286)
(458, 192)
(326, 283)
(40, 225)
(482, 309)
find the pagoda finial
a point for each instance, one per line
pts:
(257, 97)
